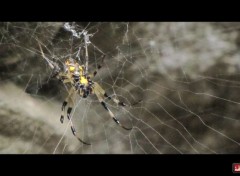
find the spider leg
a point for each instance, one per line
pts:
(65, 104)
(99, 66)
(63, 110)
(86, 53)
(113, 117)
(100, 97)
(70, 99)
(75, 134)
(56, 69)
(115, 100)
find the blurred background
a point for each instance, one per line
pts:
(185, 74)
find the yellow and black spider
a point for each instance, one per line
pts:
(81, 84)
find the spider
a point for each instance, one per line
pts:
(80, 83)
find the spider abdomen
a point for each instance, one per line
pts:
(83, 81)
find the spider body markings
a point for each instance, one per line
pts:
(80, 84)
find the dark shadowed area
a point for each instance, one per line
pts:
(180, 79)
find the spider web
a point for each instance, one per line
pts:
(181, 81)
